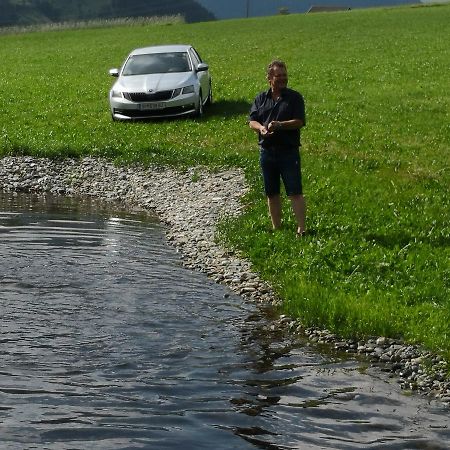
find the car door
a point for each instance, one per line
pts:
(203, 76)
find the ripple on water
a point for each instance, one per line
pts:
(107, 342)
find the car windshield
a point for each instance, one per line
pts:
(157, 63)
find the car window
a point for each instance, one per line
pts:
(195, 57)
(157, 63)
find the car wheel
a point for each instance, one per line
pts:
(209, 100)
(199, 108)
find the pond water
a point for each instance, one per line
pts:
(107, 342)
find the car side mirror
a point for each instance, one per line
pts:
(114, 72)
(202, 67)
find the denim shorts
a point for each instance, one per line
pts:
(279, 165)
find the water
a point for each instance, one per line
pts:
(107, 342)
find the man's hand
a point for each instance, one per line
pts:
(256, 126)
(264, 131)
(274, 125)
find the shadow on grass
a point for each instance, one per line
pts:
(227, 108)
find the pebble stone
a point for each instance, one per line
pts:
(190, 203)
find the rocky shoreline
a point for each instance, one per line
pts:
(190, 204)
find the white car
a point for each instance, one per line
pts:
(160, 81)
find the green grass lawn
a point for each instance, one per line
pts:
(375, 155)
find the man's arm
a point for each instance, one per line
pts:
(285, 125)
(256, 126)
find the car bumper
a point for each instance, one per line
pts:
(123, 109)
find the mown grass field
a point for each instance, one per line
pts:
(375, 151)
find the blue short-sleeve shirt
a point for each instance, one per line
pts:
(289, 106)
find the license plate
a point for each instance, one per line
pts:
(152, 105)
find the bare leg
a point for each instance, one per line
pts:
(299, 207)
(274, 203)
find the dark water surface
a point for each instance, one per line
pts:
(107, 342)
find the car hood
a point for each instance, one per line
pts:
(154, 82)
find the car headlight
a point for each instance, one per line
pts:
(176, 92)
(116, 94)
(188, 89)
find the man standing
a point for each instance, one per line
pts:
(277, 116)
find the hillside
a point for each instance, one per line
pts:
(28, 12)
(252, 8)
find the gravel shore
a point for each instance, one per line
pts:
(190, 204)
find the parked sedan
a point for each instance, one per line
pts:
(160, 81)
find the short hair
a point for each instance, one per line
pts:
(273, 64)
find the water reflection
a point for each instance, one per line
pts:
(108, 343)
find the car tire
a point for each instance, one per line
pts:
(209, 100)
(199, 108)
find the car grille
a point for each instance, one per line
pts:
(147, 97)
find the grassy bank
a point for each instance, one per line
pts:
(375, 154)
(105, 23)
